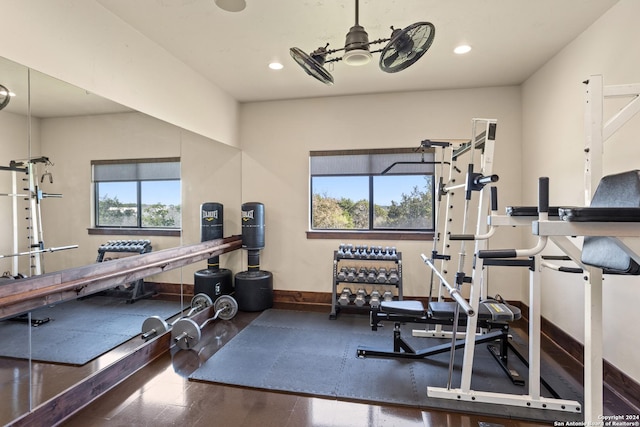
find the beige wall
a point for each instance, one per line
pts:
(276, 138)
(553, 143)
(210, 172)
(82, 43)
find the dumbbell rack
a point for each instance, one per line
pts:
(133, 291)
(359, 283)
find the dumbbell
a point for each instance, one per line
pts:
(351, 274)
(341, 250)
(356, 251)
(362, 275)
(393, 276)
(348, 251)
(342, 274)
(371, 277)
(156, 325)
(374, 299)
(382, 275)
(345, 296)
(361, 297)
(186, 333)
(364, 252)
(387, 296)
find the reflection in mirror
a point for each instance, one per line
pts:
(69, 129)
(15, 374)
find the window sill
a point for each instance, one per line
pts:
(133, 232)
(371, 235)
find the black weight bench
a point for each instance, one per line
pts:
(493, 316)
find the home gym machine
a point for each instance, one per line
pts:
(494, 315)
(33, 194)
(254, 287)
(212, 281)
(609, 227)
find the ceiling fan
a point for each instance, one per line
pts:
(404, 48)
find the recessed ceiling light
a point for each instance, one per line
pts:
(231, 5)
(462, 49)
(275, 66)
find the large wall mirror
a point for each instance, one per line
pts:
(56, 132)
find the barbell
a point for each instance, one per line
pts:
(186, 333)
(156, 325)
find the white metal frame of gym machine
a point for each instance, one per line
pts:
(484, 139)
(561, 233)
(34, 195)
(624, 234)
(533, 398)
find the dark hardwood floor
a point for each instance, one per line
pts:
(161, 395)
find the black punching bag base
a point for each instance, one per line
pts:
(254, 290)
(213, 282)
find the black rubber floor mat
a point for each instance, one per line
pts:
(81, 330)
(306, 353)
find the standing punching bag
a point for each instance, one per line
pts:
(254, 287)
(213, 281)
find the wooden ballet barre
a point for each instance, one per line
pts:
(23, 295)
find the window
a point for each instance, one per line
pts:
(137, 193)
(367, 190)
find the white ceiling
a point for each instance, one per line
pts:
(511, 39)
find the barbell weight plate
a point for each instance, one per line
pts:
(155, 323)
(186, 333)
(228, 305)
(201, 301)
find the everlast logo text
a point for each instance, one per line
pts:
(247, 215)
(209, 215)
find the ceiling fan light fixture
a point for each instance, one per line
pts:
(356, 47)
(404, 48)
(357, 57)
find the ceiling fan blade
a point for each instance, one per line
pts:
(389, 60)
(407, 46)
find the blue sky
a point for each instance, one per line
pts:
(165, 192)
(387, 188)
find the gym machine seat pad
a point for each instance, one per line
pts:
(616, 199)
(600, 214)
(529, 210)
(487, 310)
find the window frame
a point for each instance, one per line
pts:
(372, 232)
(138, 229)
